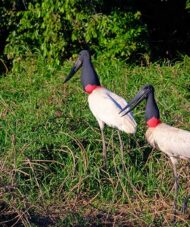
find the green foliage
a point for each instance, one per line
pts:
(7, 16)
(51, 151)
(118, 34)
(188, 4)
(8, 20)
(61, 28)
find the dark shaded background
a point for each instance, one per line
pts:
(168, 25)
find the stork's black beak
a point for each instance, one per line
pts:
(141, 95)
(74, 69)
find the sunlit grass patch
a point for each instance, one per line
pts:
(51, 152)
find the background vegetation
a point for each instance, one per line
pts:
(124, 29)
(51, 170)
(60, 28)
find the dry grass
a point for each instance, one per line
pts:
(51, 170)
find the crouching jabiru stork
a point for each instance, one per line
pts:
(172, 141)
(103, 103)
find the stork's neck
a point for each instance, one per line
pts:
(89, 77)
(152, 114)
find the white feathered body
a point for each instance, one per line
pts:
(106, 105)
(173, 141)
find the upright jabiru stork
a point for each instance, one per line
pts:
(103, 103)
(172, 141)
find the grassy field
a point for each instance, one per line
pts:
(51, 170)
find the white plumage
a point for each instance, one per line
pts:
(105, 106)
(172, 141)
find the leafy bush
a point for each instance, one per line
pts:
(62, 28)
(188, 4)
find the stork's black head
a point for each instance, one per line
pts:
(89, 77)
(84, 54)
(152, 114)
(147, 90)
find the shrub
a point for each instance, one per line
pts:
(60, 28)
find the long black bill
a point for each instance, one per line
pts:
(141, 95)
(75, 68)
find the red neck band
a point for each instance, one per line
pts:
(90, 88)
(153, 122)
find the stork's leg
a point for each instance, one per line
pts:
(121, 148)
(103, 146)
(121, 143)
(174, 162)
(176, 189)
(101, 124)
(185, 204)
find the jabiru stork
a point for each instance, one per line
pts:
(172, 141)
(103, 103)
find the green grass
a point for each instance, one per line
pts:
(51, 151)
